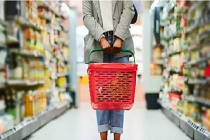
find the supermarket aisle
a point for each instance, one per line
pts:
(140, 124)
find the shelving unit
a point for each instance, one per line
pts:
(184, 94)
(29, 126)
(192, 129)
(34, 67)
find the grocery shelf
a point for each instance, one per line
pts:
(64, 28)
(192, 27)
(2, 45)
(193, 47)
(24, 82)
(61, 90)
(53, 59)
(197, 61)
(48, 90)
(29, 126)
(44, 17)
(45, 5)
(2, 67)
(200, 100)
(198, 81)
(194, 6)
(188, 68)
(174, 52)
(25, 31)
(174, 70)
(2, 22)
(55, 89)
(27, 23)
(2, 85)
(164, 23)
(11, 39)
(204, 35)
(174, 88)
(57, 28)
(53, 77)
(27, 53)
(159, 62)
(65, 43)
(62, 74)
(192, 129)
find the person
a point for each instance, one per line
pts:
(108, 23)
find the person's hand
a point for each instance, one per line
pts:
(117, 46)
(105, 45)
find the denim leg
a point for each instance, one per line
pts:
(103, 119)
(116, 121)
(103, 116)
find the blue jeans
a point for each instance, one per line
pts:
(111, 119)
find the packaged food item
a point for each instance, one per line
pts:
(43, 99)
(157, 53)
(29, 104)
(177, 44)
(180, 106)
(2, 126)
(8, 120)
(175, 61)
(62, 82)
(196, 113)
(194, 55)
(206, 119)
(29, 39)
(155, 70)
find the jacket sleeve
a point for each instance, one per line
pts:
(90, 23)
(125, 19)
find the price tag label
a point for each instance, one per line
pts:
(192, 124)
(8, 133)
(184, 118)
(176, 113)
(18, 127)
(2, 137)
(24, 123)
(207, 133)
(33, 120)
(202, 130)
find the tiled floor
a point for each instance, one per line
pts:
(140, 124)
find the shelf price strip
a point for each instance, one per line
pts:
(187, 120)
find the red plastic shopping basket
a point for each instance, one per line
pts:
(112, 85)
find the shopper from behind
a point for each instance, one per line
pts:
(108, 23)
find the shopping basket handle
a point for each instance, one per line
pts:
(122, 50)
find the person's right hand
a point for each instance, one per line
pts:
(105, 45)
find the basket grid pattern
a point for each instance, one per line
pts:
(113, 86)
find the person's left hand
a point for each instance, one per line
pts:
(117, 46)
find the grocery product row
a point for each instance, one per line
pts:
(34, 59)
(190, 128)
(29, 126)
(184, 57)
